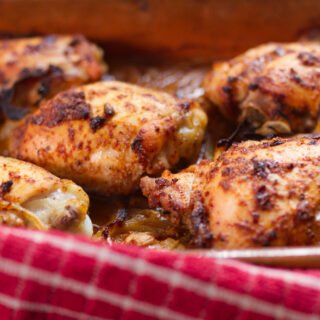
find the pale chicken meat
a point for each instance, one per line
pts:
(255, 194)
(34, 198)
(270, 89)
(35, 69)
(106, 136)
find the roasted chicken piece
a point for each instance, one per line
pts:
(183, 81)
(271, 89)
(255, 194)
(32, 197)
(34, 69)
(105, 136)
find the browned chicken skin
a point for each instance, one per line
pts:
(255, 194)
(34, 69)
(275, 88)
(183, 81)
(105, 136)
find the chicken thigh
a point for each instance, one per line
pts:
(105, 136)
(33, 69)
(273, 89)
(255, 194)
(32, 197)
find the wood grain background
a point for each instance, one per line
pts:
(182, 28)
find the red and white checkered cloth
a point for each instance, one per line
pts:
(58, 276)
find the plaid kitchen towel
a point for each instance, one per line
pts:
(59, 276)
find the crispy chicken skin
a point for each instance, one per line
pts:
(34, 69)
(256, 194)
(105, 136)
(275, 87)
(33, 197)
